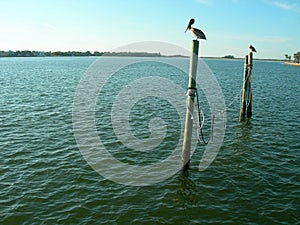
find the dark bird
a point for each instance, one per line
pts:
(198, 33)
(252, 49)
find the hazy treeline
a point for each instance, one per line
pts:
(27, 53)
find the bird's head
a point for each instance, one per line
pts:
(192, 21)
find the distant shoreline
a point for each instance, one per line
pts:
(26, 53)
(292, 63)
(268, 60)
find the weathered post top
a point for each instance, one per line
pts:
(193, 64)
(250, 57)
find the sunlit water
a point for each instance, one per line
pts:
(45, 180)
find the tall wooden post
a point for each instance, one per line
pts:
(249, 83)
(187, 137)
(246, 105)
(243, 105)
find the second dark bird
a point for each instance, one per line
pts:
(252, 49)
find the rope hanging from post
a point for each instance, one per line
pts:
(194, 93)
(201, 123)
(238, 94)
(198, 123)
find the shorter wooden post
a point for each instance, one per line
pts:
(187, 136)
(249, 86)
(243, 105)
(246, 105)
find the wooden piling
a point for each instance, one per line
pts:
(187, 136)
(246, 105)
(249, 83)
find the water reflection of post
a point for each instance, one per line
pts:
(185, 195)
(242, 142)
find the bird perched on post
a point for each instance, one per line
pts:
(252, 49)
(198, 33)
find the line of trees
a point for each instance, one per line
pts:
(228, 57)
(296, 57)
(28, 53)
(74, 53)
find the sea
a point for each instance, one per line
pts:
(53, 172)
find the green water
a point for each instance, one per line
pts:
(45, 180)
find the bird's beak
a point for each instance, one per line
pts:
(189, 26)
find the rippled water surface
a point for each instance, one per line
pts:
(44, 179)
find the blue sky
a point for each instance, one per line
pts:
(272, 26)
